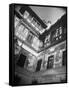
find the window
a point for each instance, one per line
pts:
(19, 30)
(37, 25)
(47, 40)
(25, 33)
(16, 21)
(36, 43)
(22, 32)
(60, 30)
(57, 34)
(30, 38)
(26, 14)
(29, 19)
(34, 21)
(58, 56)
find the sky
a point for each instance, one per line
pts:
(49, 13)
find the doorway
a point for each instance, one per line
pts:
(64, 58)
(50, 62)
(21, 60)
(38, 65)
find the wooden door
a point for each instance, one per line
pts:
(50, 62)
(39, 65)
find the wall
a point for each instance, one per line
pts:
(57, 51)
